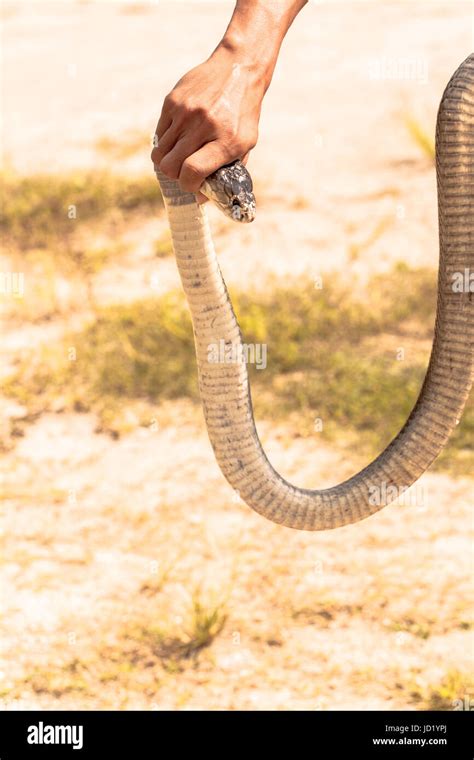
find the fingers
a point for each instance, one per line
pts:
(173, 161)
(165, 143)
(201, 164)
(164, 122)
(190, 155)
(165, 132)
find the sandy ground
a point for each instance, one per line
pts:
(107, 539)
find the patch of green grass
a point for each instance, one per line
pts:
(421, 630)
(372, 395)
(41, 209)
(57, 681)
(323, 612)
(204, 622)
(117, 672)
(449, 694)
(164, 247)
(138, 350)
(296, 319)
(91, 260)
(321, 358)
(419, 134)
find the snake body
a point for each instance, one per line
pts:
(224, 386)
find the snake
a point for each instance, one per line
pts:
(224, 385)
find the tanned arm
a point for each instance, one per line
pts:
(211, 116)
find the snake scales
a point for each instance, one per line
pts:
(225, 388)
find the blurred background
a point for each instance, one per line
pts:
(135, 578)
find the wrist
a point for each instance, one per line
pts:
(239, 50)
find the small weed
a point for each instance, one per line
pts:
(153, 643)
(421, 136)
(355, 249)
(163, 247)
(56, 682)
(442, 696)
(421, 630)
(206, 622)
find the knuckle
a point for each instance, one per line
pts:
(199, 111)
(202, 116)
(170, 168)
(210, 120)
(228, 131)
(191, 175)
(183, 110)
(230, 140)
(191, 169)
(171, 101)
(156, 155)
(238, 146)
(252, 140)
(243, 143)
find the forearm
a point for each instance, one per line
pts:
(255, 33)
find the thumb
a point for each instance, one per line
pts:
(201, 198)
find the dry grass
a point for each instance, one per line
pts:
(326, 360)
(448, 694)
(420, 135)
(120, 148)
(164, 247)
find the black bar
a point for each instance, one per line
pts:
(156, 733)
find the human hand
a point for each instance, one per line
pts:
(209, 119)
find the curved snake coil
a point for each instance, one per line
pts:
(225, 388)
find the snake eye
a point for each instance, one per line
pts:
(246, 183)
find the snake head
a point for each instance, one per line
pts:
(231, 189)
